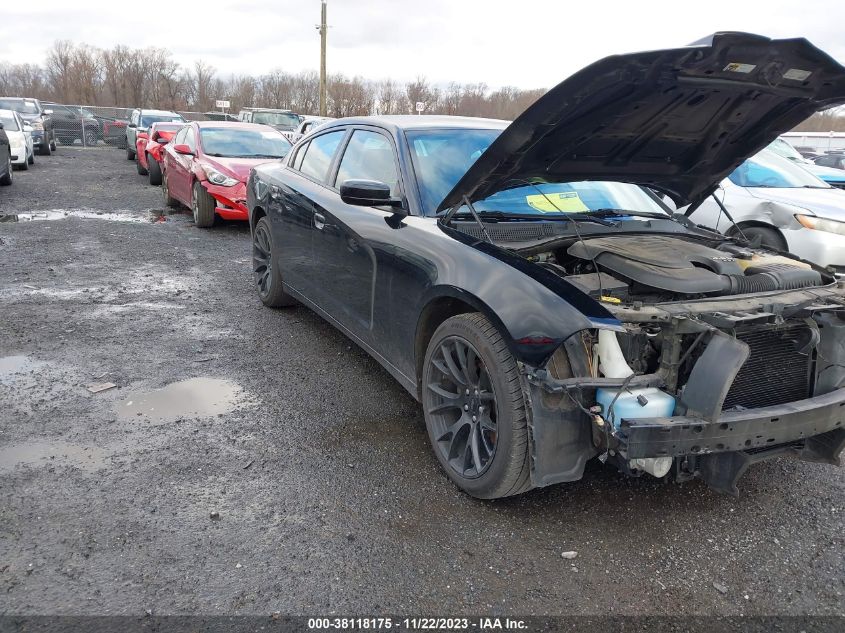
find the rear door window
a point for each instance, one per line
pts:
(318, 155)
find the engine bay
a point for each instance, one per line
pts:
(661, 268)
(708, 330)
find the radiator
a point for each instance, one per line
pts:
(775, 373)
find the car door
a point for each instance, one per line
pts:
(295, 206)
(345, 264)
(179, 178)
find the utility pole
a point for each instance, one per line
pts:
(323, 29)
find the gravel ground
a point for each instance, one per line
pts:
(252, 461)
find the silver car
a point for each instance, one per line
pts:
(787, 207)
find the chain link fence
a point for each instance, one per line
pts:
(101, 126)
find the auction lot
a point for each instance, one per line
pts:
(251, 461)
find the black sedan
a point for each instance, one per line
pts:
(527, 284)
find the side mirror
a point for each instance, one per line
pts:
(183, 149)
(27, 128)
(367, 193)
(131, 125)
(48, 112)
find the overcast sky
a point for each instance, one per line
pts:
(524, 43)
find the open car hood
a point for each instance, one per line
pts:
(678, 120)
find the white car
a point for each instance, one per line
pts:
(782, 204)
(20, 139)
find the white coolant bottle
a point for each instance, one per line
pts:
(642, 402)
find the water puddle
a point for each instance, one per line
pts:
(195, 397)
(45, 452)
(12, 367)
(61, 214)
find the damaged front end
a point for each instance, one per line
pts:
(732, 359)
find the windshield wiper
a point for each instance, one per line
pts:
(623, 212)
(565, 217)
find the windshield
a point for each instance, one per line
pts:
(149, 119)
(9, 123)
(559, 198)
(25, 106)
(243, 143)
(442, 157)
(768, 169)
(782, 148)
(287, 119)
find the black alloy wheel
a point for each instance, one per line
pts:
(268, 281)
(474, 408)
(463, 410)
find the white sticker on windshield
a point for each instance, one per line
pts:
(797, 74)
(740, 68)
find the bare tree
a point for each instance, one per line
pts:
(391, 97)
(204, 86)
(124, 76)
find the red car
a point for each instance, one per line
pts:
(208, 162)
(149, 148)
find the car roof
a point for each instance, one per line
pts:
(421, 122)
(149, 111)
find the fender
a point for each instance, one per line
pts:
(534, 309)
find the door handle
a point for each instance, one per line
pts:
(319, 221)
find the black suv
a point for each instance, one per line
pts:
(32, 112)
(73, 123)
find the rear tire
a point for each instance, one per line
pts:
(31, 159)
(139, 167)
(169, 200)
(202, 204)
(130, 155)
(53, 143)
(24, 166)
(154, 170)
(770, 238)
(45, 150)
(474, 409)
(91, 138)
(265, 269)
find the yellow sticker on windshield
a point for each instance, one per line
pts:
(566, 202)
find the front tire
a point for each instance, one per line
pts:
(154, 170)
(45, 150)
(91, 138)
(265, 270)
(770, 238)
(31, 159)
(202, 204)
(474, 409)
